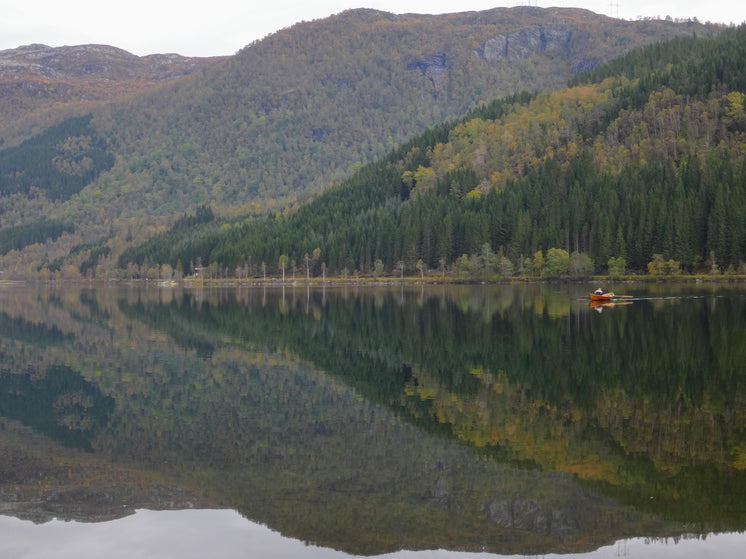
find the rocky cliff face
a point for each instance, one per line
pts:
(524, 514)
(521, 44)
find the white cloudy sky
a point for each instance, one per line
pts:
(221, 27)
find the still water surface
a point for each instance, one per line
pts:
(225, 534)
(329, 423)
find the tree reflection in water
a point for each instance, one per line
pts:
(511, 419)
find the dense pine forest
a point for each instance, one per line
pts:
(636, 166)
(58, 163)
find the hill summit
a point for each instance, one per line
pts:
(38, 79)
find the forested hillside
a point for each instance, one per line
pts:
(638, 165)
(300, 110)
(295, 112)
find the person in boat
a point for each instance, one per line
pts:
(599, 291)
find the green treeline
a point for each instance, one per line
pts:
(638, 161)
(184, 243)
(58, 163)
(15, 238)
(690, 65)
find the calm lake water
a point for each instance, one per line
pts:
(324, 423)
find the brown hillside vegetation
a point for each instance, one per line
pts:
(39, 84)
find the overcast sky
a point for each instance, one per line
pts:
(222, 27)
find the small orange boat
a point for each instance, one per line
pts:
(602, 297)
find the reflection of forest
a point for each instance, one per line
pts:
(209, 390)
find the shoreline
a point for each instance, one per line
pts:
(192, 282)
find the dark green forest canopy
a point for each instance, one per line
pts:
(15, 238)
(674, 111)
(59, 163)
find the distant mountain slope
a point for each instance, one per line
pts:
(38, 78)
(642, 162)
(294, 112)
(300, 110)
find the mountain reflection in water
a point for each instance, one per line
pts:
(512, 420)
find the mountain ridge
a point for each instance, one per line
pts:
(91, 60)
(37, 78)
